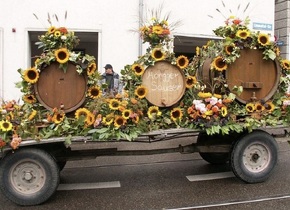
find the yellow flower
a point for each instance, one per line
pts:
(31, 75)
(90, 119)
(269, 106)
(259, 107)
(114, 104)
(62, 55)
(182, 61)
(5, 125)
(57, 33)
(51, 30)
(224, 111)
(157, 29)
(190, 81)
(219, 64)
(243, 34)
(126, 114)
(250, 107)
(219, 96)
(176, 114)
(29, 98)
(204, 95)
(91, 68)
(58, 117)
(263, 39)
(119, 121)
(158, 54)
(138, 69)
(141, 91)
(197, 51)
(229, 49)
(285, 64)
(108, 120)
(94, 92)
(81, 112)
(32, 115)
(153, 112)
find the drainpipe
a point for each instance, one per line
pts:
(141, 9)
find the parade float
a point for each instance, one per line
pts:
(229, 95)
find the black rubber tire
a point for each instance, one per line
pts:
(214, 158)
(29, 176)
(254, 157)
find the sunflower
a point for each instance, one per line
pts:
(190, 81)
(158, 54)
(250, 107)
(114, 104)
(259, 107)
(138, 69)
(119, 121)
(263, 39)
(81, 112)
(90, 119)
(91, 68)
(57, 33)
(141, 91)
(29, 98)
(126, 113)
(269, 106)
(94, 92)
(62, 55)
(285, 64)
(224, 111)
(197, 51)
(182, 61)
(176, 114)
(31, 75)
(219, 64)
(229, 49)
(51, 30)
(153, 112)
(157, 29)
(58, 117)
(5, 125)
(204, 94)
(108, 120)
(32, 115)
(243, 34)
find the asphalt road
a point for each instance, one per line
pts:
(164, 181)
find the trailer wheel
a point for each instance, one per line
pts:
(29, 176)
(254, 157)
(214, 157)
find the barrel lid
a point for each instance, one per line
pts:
(56, 88)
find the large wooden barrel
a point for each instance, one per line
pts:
(165, 83)
(56, 88)
(258, 77)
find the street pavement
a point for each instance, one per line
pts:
(163, 182)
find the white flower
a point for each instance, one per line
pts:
(63, 37)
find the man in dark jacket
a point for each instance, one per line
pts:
(111, 81)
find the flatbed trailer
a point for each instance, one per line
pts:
(30, 175)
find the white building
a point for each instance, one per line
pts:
(105, 28)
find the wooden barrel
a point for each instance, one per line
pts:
(56, 88)
(258, 77)
(165, 83)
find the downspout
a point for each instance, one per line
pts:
(141, 9)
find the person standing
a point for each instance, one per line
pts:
(111, 81)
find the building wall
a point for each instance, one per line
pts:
(282, 25)
(115, 22)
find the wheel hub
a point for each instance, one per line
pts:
(256, 157)
(27, 177)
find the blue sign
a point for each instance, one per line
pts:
(280, 43)
(262, 26)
